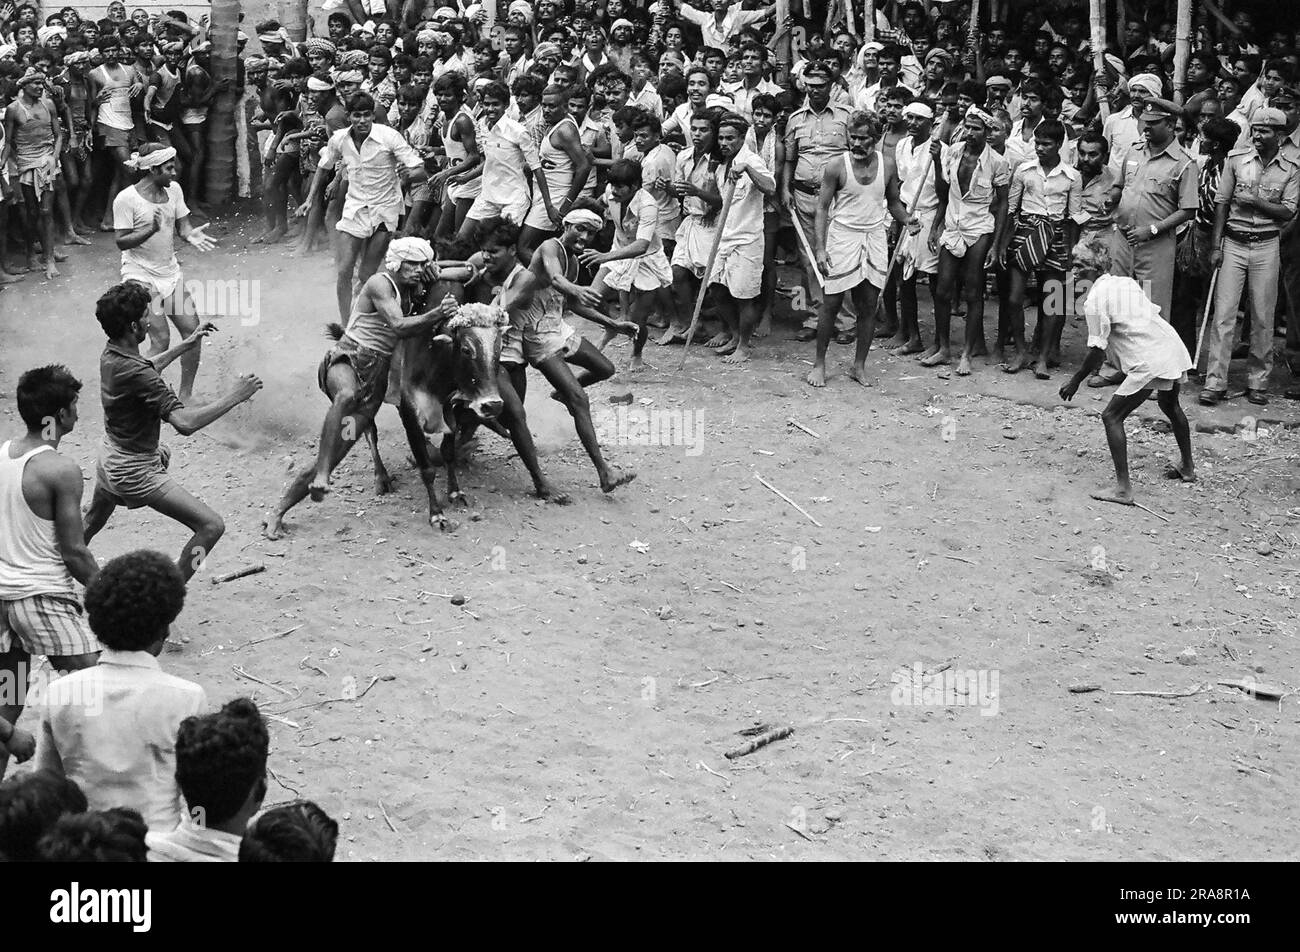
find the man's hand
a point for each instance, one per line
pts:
(200, 239)
(786, 197)
(587, 297)
(994, 258)
(935, 234)
(936, 149)
(824, 263)
(1216, 258)
(913, 226)
(200, 332)
(21, 744)
(246, 386)
(592, 259)
(159, 219)
(1135, 236)
(449, 307)
(1069, 388)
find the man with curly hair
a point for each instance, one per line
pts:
(298, 832)
(112, 728)
(221, 770)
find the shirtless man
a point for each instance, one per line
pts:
(378, 161)
(34, 139)
(973, 183)
(849, 238)
(42, 549)
(111, 87)
(537, 305)
(132, 469)
(460, 143)
(354, 373)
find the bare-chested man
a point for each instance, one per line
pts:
(537, 305)
(34, 140)
(112, 87)
(354, 374)
(858, 193)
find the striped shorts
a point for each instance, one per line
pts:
(49, 625)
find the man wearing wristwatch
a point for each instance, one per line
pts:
(1156, 192)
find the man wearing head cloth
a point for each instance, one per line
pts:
(969, 223)
(354, 373)
(33, 140)
(913, 157)
(1155, 192)
(1121, 129)
(537, 306)
(1259, 189)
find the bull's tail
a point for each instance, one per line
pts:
(334, 330)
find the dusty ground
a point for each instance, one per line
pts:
(579, 704)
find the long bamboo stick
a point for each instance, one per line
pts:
(708, 269)
(1182, 48)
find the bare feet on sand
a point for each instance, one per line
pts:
(673, 335)
(816, 377)
(1123, 497)
(737, 355)
(936, 356)
(273, 526)
(1183, 472)
(615, 478)
(549, 493)
(858, 372)
(963, 366)
(720, 339)
(907, 348)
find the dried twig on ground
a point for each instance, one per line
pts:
(761, 741)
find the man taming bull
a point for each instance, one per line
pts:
(354, 374)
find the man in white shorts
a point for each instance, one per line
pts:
(510, 159)
(737, 277)
(42, 550)
(378, 161)
(145, 216)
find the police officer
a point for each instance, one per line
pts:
(1258, 193)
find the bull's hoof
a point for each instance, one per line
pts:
(461, 499)
(383, 484)
(441, 522)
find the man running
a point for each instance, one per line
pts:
(354, 373)
(132, 469)
(146, 216)
(565, 165)
(537, 305)
(42, 549)
(375, 158)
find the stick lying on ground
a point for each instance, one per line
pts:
(788, 499)
(762, 740)
(242, 573)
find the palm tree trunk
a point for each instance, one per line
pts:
(1182, 48)
(220, 178)
(294, 18)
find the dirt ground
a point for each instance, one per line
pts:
(578, 705)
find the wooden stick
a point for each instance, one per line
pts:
(708, 269)
(1152, 511)
(911, 210)
(1097, 40)
(795, 423)
(1182, 48)
(255, 679)
(808, 252)
(387, 818)
(761, 740)
(242, 573)
(1205, 318)
(789, 500)
(258, 641)
(1196, 690)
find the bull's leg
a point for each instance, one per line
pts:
(454, 494)
(420, 451)
(383, 482)
(516, 423)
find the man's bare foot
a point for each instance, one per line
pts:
(936, 356)
(615, 478)
(858, 372)
(549, 493)
(1123, 497)
(1040, 370)
(737, 355)
(1178, 471)
(997, 357)
(764, 327)
(672, 336)
(981, 348)
(886, 331)
(318, 488)
(273, 526)
(817, 376)
(721, 339)
(58, 256)
(909, 347)
(963, 366)
(1016, 364)
(729, 347)
(637, 365)
(72, 238)
(50, 270)
(896, 342)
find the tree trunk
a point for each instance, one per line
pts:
(869, 20)
(1097, 38)
(220, 177)
(293, 16)
(1182, 48)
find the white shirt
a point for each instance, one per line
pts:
(718, 36)
(1123, 322)
(156, 258)
(743, 96)
(372, 171)
(507, 148)
(192, 844)
(112, 729)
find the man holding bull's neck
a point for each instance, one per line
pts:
(354, 374)
(537, 305)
